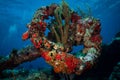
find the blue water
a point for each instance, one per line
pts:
(15, 14)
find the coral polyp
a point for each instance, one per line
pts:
(67, 29)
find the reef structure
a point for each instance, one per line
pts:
(67, 28)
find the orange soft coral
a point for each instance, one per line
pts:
(25, 35)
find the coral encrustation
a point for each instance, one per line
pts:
(67, 29)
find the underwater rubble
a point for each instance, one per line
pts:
(16, 57)
(67, 29)
(22, 74)
(107, 68)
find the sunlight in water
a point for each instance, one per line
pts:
(12, 30)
